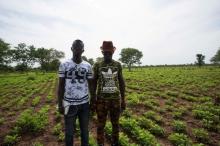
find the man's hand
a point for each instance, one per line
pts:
(123, 105)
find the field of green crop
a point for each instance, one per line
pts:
(165, 106)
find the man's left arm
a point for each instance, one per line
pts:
(90, 79)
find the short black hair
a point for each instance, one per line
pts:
(78, 44)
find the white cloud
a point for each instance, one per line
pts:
(167, 32)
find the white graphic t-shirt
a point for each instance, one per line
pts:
(76, 85)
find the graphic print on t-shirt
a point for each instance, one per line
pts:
(77, 74)
(109, 75)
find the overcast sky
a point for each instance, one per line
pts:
(166, 31)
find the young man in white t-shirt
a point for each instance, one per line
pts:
(75, 76)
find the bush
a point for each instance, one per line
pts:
(57, 129)
(37, 144)
(143, 137)
(29, 121)
(201, 135)
(179, 139)
(21, 67)
(36, 100)
(151, 126)
(31, 78)
(108, 129)
(11, 139)
(124, 140)
(49, 98)
(199, 144)
(177, 115)
(153, 116)
(58, 116)
(179, 126)
(200, 114)
(61, 136)
(92, 141)
(126, 113)
(16, 130)
(208, 124)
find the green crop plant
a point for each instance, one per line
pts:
(179, 126)
(177, 114)
(57, 129)
(58, 116)
(179, 139)
(143, 137)
(151, 126)
(61, 136)
(92, 141)
(37, 144)
(11, 139)
(198, 144)
(153, 116)
(124, 140)
(29, 121)
(201, 135)
(36, 100)
(49, 98)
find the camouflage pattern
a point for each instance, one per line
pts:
(108, 97)
(107, 79)
(105, 106)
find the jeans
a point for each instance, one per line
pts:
(82, 112)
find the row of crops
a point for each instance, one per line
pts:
(178, 106)
(165, 106)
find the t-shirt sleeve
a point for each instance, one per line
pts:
(61, 70)
(89, 74)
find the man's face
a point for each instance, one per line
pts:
(107, 55)
(77, 51)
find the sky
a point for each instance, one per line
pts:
(166, 31)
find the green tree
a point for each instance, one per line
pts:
(84, 58)
(99, 59)
(4, 52)
(130, 56)
(24, 56)
(54, 64)
(48, 58)
(91, 61)
(200, 60)
(216, 59)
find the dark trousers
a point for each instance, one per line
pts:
(103, 107)
(82, 112)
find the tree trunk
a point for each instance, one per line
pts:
(129, 67)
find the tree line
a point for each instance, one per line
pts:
(24, 57)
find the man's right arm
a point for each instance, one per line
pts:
(61, 89)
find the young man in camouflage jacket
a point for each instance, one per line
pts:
(109, 94)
